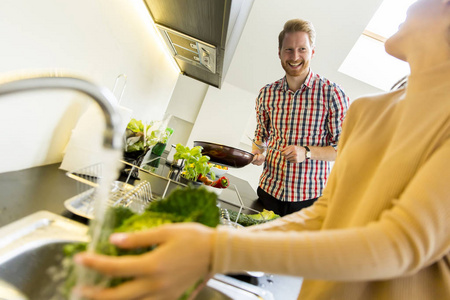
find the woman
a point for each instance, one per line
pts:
(381, 228)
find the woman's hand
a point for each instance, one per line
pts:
(164, 273)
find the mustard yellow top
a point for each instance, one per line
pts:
(381, 230)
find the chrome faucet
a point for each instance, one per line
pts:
(112, 137)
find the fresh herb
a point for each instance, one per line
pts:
(140, 136)
(195, 164)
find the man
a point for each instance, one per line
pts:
(299, 118)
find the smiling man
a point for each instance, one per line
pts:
(301, 116)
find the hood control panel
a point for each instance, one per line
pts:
(189, 49)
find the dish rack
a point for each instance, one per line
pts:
(123, 194)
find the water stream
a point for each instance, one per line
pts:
(110, 172)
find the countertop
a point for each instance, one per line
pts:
(47, 187)
(27, 191)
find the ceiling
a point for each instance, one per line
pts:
(338, 25)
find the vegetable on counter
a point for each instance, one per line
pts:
(221, 183)
(182, 205)
(205, 179)
(252, 219)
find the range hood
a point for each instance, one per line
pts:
(201, 35)
(189, 49)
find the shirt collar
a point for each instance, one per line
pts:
(308, 81)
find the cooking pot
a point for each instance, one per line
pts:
(225, 155)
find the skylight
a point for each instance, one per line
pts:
(368, 61)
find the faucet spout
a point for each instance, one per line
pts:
(112, 138)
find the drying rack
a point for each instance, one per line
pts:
(122, 194)
(165, 181)
(151, 187)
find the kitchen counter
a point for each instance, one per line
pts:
(27, 191)
(47, 187)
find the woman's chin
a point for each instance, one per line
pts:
(392, 48)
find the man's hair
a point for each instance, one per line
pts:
(295, 25)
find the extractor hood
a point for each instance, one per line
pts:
(201, 35)
(189, 49)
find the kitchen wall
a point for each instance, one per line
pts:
(96, 39)
(226, 117)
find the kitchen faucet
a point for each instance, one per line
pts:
(112, 137)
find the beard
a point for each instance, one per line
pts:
(295, 72)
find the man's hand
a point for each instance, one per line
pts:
(258, 149)
(294, 154)
(258, 159)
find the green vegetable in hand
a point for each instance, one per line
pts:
(182, 205)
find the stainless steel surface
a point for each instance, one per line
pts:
(104, 98)
(30, 249)
(190, 49)
(31, 253)
(161, 185)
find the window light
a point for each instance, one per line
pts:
(368, 61)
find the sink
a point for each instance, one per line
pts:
(31, 254)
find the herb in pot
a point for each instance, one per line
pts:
(195, 163)
(142, 137)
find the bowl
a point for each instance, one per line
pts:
(219, 170)
(225, 155)
(215, 190)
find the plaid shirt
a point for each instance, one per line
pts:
(311, 116)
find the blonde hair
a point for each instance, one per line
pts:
(295, 25)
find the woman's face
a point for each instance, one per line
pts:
(424, 21)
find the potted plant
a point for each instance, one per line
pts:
(194, 162)
(141, 138)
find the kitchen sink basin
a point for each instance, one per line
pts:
(31, 256)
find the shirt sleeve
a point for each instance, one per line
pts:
(407, 237)
(337, 106)
(262, 118)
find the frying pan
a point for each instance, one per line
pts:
(225, 155)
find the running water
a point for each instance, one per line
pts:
(110, 173)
